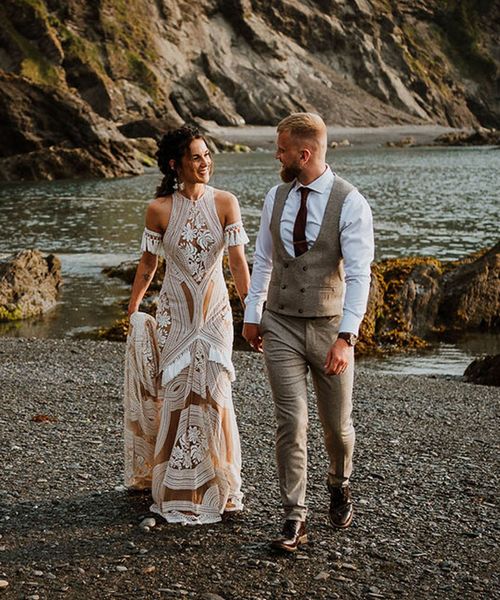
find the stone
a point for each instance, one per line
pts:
(149, 569)
(470, 298)
(148, 522)
(420, 296)
(3, 584)
(29, 284)
(484, 371)
(476, 137)
(413, 299)
(402, 143)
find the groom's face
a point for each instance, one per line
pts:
(288, 152)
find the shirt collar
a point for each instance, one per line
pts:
(321, 184)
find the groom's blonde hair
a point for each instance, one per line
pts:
(304, 125)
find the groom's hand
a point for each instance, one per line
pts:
(338, 358)
(251, 333)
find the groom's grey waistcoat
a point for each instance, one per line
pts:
(310, 285)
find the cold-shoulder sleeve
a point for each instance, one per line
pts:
(152, 242)
(235, 235)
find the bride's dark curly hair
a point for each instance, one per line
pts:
(173, 146)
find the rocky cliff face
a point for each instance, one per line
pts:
(357, 62)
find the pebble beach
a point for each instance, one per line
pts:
(425, 489)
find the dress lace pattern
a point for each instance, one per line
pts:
(152, 242)
(181, 437)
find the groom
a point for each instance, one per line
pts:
(312, 272)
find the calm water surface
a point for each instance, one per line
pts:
(425, 201)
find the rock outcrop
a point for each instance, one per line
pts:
(29, 284)
(478, 137)
(141, 63)
(470, 296)
(484, 371)
(414, 300)
(53, 134)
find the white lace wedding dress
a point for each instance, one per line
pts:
(181, 437)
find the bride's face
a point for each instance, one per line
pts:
(196, 166)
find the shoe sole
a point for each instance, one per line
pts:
(302, 540)
(343, 526)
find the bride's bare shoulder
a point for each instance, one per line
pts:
(224, 198)
(159, 210)
(227, 206)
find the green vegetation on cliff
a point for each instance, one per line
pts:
(34, 63)
(460, 20)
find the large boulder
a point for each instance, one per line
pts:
(402, 305)
(470, 293)
(29, 284)
(485, 371)
(415, 299)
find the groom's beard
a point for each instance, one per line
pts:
(288, 174)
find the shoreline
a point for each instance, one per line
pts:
(425, 486)
(256, 136)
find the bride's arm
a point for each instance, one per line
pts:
(149, 260)
(143, 277)
(229, 213)
(239, 270)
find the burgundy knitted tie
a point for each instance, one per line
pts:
(299, 228)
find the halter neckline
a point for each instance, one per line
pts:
(179, 193)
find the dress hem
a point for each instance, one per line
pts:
(202, 518)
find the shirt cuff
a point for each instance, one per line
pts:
(350, 323)
(253, 313)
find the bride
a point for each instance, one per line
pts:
(181, 437)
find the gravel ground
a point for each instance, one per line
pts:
(425, 488)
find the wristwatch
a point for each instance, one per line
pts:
(350, 338)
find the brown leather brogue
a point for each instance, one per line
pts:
(341, 510)
(293, 535)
